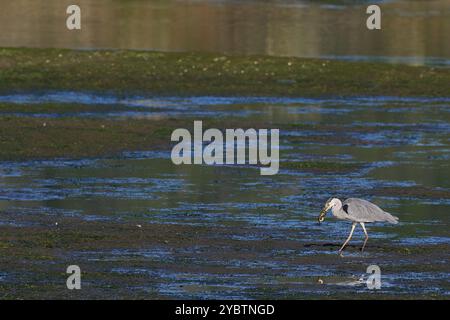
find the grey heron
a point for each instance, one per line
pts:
(357, 211)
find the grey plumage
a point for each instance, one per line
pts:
(357, 211)
(360, 210)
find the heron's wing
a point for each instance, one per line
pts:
(364, 211)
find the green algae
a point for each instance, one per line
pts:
(186, 74)
(320, 166)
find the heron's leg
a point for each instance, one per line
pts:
(349, 237)
(367, 236)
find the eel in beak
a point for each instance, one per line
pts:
(322, 215)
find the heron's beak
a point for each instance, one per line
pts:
(322, 214)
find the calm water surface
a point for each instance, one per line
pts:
(414, 32)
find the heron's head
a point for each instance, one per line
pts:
(328, 205)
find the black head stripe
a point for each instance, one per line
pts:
(345, 208)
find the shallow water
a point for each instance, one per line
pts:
(402, 143)
(413, 32)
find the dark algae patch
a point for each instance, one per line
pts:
(320, 166)
(23, 138)
(31, 138)
(61, 110)
(120, 260)
(211, 74)
(414, 192)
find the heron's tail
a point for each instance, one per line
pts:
(390, 218)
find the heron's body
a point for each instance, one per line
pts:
(357, 211)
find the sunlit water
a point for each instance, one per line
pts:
(413, 32)
(407, 145)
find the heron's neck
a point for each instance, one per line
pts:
(337, 210)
